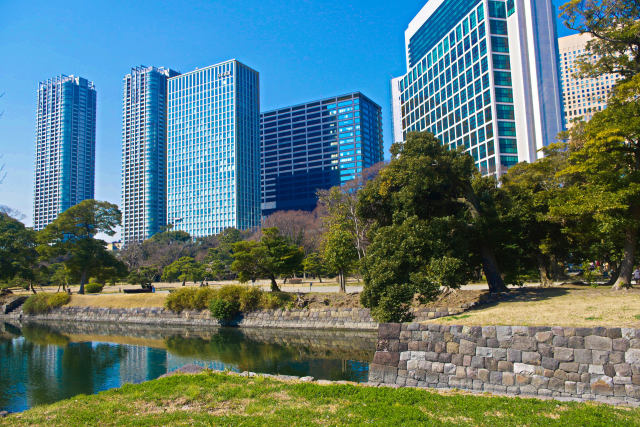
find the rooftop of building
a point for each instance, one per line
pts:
(199, 69)
(326, 100)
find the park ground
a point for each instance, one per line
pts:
(564, 305)
(222, 399)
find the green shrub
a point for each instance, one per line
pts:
(59, 299)
(203, 297)
(273, 300)
(93, 280)
(250, 299)
(44, 303)
(36, 304)
(224, 310)
(93, 288)
(231, 292)
(182, 299)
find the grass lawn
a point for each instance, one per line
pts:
(218, 398)
(566, 305)
(118, 300)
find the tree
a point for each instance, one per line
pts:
(605, 158)
(71, 237)
(340, 254)
(615, 27)
(604, 165)
(529, 190)
(61, 276)
(339, 205)
(299, 228)
(429, 202)
(143, 276)
(271, 257)
(313, 265)
(18, 254)
(185, 269)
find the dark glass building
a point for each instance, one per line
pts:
(315, 146)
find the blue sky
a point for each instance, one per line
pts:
(304, 50)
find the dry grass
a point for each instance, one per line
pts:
(565, 305)
(118, 300)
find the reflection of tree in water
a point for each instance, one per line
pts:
(43, 335)
(232, 347)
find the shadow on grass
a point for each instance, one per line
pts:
(523, 295)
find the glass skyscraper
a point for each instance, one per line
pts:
(483, 75)
(314, 146)
(213, 150)
(144, 152)
(65, 147)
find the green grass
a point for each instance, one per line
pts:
(221, 399)
(462, 316)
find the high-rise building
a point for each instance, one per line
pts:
(582, 96)
(316, 145)
(483, 75)
(213, 151)
(144, 152)
(65, 147)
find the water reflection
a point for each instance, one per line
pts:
(46, 363)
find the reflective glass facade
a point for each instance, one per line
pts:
(65, 147)
(471, 84)
(144, 152)
(213, 150)
(315, 146)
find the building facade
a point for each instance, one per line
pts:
(582, 97)
(65, 147)
(483, 75)
(316, 145)
(144, 152)
(213, 149)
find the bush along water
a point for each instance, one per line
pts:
(226, 302)
(44, 303)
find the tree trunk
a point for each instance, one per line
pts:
(32, 288)
(629, 252)
(626, 266)
(543, 271)
(320, 278)
(184, 283)
(491, 271)
(489, 262)
(274, 284)
(83, 279)
(343, 283)
(556, 270)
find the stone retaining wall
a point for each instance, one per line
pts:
(343, 318)
(323, 318)
(581, 363)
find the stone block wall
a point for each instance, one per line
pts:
(329, 318)
(315, 318)
(583, 363)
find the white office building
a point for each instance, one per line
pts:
(483, 75)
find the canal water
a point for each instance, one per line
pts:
(42, 364)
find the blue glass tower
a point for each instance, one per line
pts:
(65, 147)
(144, 152)
(213, 151)
(315, 146)
(483, 75)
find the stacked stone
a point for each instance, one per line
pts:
(586, 363)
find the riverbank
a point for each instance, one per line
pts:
(220, 398)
